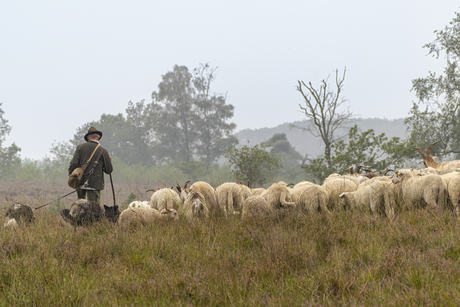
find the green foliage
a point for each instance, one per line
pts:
(255, 164)
(214, 133)
(195, 170)
(130, 199)
(376, 152)
(290, 159)
(436, 116)
(9, 160)
(192, 121)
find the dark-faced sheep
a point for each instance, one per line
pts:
(84, 212)
(18, 215)
(195, 207)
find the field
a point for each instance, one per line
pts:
(349, 258)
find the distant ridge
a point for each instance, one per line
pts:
(304, 142)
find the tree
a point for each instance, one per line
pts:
(128, 138)
(322, 109)
(192, 121)
(436, 114)
(252, 163)
(290, 159)
(175, 127)
(214, 133)
(376, 152)
(9, 156)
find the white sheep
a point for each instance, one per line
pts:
(257, 191)
(278, 196)
(336, 186)
(430, 189)
(138, 203)
(375, 194)
(146, 216)
(209, 195)
(18, 215)
(312, 198)
(245, 189)
(195, 206)
(230, 197)
(166, 198)
(255, 206)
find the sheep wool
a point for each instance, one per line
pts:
(145, 216)
(312, 198)
(429, 189)
(255, 206)
(207, 191)
(195, 207)
(257, 191)
(230, 198)
(335, 187)
(18, 215)
(165, 198)
(138, 203)
(278, 196)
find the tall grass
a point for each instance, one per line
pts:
(349, 258)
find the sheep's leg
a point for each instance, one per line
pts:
(230, 208)
(323, 206)
(455, 198)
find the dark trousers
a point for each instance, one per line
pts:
(93, 195)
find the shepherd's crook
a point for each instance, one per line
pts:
(113, 190)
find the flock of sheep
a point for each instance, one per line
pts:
(437, 185)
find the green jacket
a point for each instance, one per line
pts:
(82, 154)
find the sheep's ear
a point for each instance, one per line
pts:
(106, 207)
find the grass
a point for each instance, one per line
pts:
(349, 258)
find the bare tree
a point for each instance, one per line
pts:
(322, 111)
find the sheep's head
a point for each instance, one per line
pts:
(344, 200)
(398, 176)
(111, 214)
(169, 214)
(199, 209)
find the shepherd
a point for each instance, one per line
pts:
(100, 162)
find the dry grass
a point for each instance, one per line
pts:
(348, 258)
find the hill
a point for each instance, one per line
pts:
(304, 142)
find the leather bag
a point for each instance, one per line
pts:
(76, 177)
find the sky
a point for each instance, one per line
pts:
(65, 63)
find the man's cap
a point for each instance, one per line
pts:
(93, 130)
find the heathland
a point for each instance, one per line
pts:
(348, 258)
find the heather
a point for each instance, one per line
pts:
(349, 258)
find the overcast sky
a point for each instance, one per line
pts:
(65, 63)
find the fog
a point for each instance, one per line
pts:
(64, 64)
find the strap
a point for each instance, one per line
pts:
(95, 162)
(87, 162)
